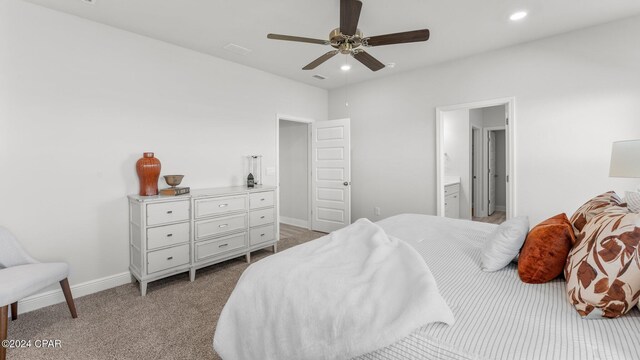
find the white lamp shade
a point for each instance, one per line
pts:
(625, 159)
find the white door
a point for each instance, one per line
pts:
(492, 174)
(476, 172)
(331, 175)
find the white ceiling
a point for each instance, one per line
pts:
(459, 28)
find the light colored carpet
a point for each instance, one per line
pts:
(176, 320)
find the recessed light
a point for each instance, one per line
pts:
(345, 67)
(518, 15)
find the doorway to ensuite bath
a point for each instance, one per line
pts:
(475, 156)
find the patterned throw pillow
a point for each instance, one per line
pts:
(603, 269)
(592, 208)
(633, 201)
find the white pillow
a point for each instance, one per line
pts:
(633, 201)
(504, 244)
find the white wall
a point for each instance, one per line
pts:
(80, 102)
(475, 118)
(294, 167)
(457, 149)
(493, 116)
(575, 94)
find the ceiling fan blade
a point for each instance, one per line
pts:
(399, 38)
(296, 38)
(368, 60)
(314, 64)
(349, 16)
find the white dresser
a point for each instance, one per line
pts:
(173, 234)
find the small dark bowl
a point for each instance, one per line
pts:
(173, 180)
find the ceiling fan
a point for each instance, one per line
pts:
(348, 39)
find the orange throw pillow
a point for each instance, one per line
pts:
(545, 250)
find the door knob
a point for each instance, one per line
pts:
(346, 183)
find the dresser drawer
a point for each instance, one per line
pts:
(220, 206)
(212, 248)
(261, 199)
(163, 213)
(168, 258)
(262, 234)
(451, 189)
(167, 235)
(261, 217)
(213, 227)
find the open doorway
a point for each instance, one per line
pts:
(495, 195)
(321, 183)
(294, 180)
(475, 154)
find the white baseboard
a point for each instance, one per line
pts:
(501, 208)
(52, 297)
(294, 222)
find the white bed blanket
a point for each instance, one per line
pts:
(343, 295)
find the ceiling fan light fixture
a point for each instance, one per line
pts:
(519, 15)
(349, 40)
(345, 67)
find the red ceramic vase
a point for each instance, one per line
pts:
(148, 168)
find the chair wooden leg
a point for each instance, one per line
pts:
(14, 311)
(67, 295)
(4, 324)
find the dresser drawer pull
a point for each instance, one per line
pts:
(262, 217)
(223, 225)
(169, 212)
(223, 245)
(223, 205)
(169, 235)
(170, 258)
(261, 234)
(262, 199)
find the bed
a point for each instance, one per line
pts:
(498, 316)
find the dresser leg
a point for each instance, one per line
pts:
(4, 325)
(133, 279)
(247, 257)
(192, 274)
(66, 289)
(143, 288)
(275, 248)
(14, 311)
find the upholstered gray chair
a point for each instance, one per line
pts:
(20, 276)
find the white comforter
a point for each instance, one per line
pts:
(346, 294)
